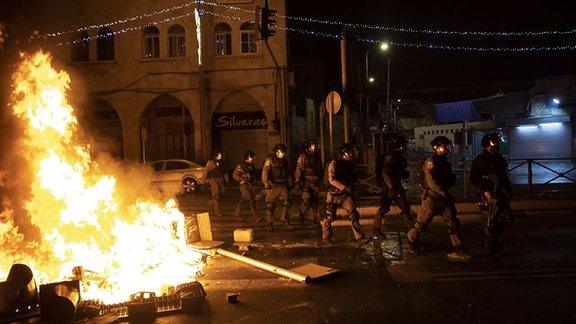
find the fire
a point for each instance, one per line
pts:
(124, 245)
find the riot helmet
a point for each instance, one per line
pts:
(345, 152)
(249, 156)
(491, 142)
(280, 150)
(218, 154)
(441, 145)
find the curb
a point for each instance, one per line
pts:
(472, 207)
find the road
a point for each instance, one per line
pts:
(531, 283)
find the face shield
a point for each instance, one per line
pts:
(442, 149)
(279, 154)
(312, 148)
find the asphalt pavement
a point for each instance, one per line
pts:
(532, 282)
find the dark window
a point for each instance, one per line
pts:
(176, 165)
(176, 41)
(248, 40)
(105, 45)
(151, 43)
(157, 166)
(222, 39)
(80, 51)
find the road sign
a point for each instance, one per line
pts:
(333, 102)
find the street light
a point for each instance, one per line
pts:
(384, 47)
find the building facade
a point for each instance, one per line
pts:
(167, 79)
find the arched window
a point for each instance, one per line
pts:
(105, 45)
(248, 40)
(151, 43)
(80, 51)
(176, 41)
(223, 39)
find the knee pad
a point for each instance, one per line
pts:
(331, 210)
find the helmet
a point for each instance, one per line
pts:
(217, 151)
(310, 143)
(280, 147)
(248, 154)
(280, 150)
(441, 145)
(491, 139)
(440, 140)
(345, 151)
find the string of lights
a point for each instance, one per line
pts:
(124, 30)
(122, 21)
(407, 29)
(430, 31)
(430, 46)
(314, 33)
(330, 22)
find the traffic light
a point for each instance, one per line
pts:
(268, 22)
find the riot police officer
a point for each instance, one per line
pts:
(308, 175)
(277, 183)
(244, 174)
(489, 174)
(214, 173)
(437, 179)
(393, 172)
(341, 178)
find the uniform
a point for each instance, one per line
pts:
(437, 179)
(214, 173)
(490, 173)
(393, 171)
(277, 181)
(341, 178)
(244, 174)
(308, 175)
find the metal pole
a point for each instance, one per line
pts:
(331, 131)
(344, 68)
(367, 76)
(284, 108)
(265, 266)
(388, 83)
(201, 89)
(322, 146)
(530, 178)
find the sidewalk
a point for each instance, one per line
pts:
(369, 211)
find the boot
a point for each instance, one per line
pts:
(285, 225)
(361, 241)
(270, 227)
(460, 254)
(378, 234)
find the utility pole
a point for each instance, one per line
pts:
(201, 89)
(344, 68)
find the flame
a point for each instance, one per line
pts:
(124, 246)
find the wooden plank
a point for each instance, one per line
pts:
(204, 226)
(315, 271)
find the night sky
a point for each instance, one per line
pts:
(420, 68)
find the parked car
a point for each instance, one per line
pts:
(184, 174)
